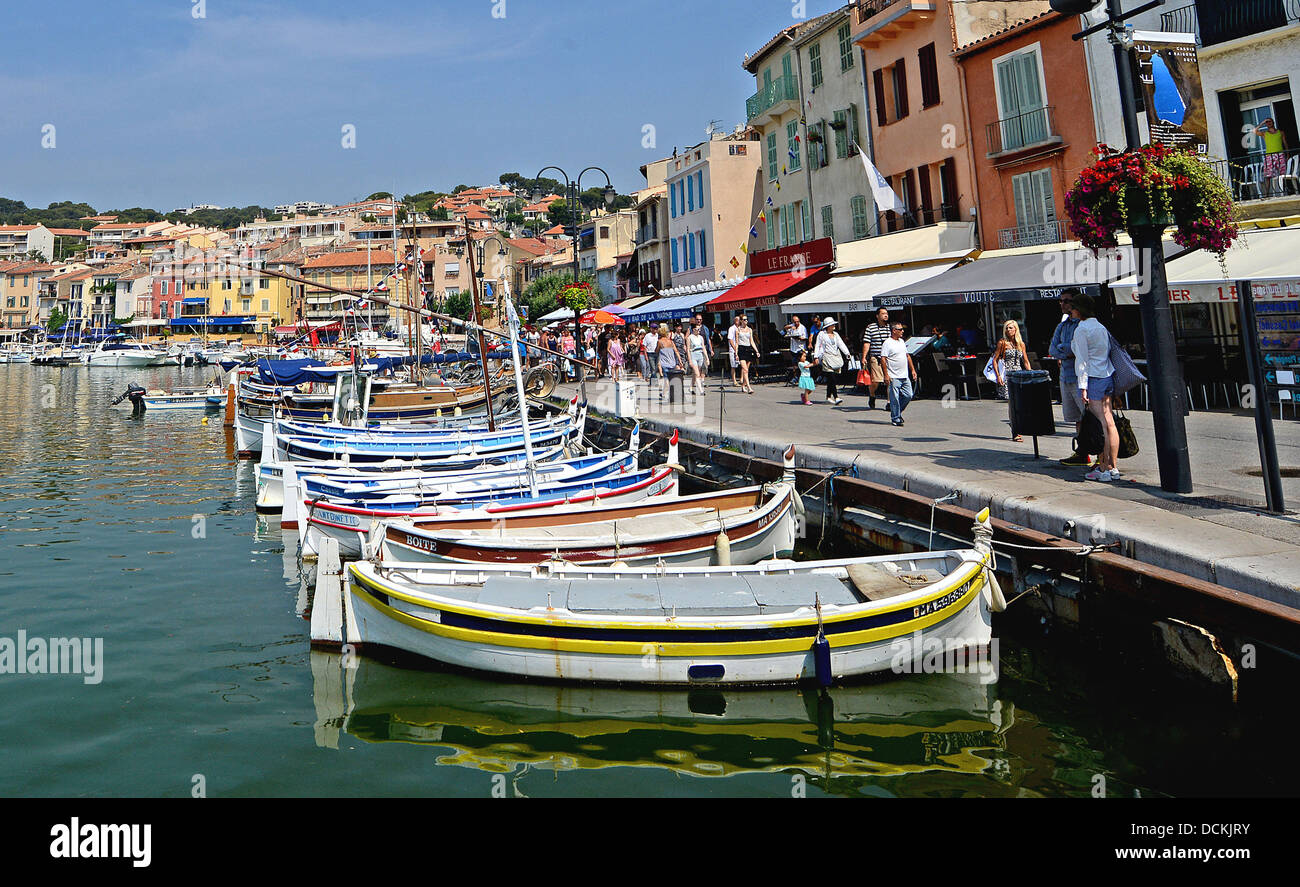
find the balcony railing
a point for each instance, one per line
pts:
(783, 89)
(1261, 176)
(1180, 21)
(1025, 130)
(1224, 20)
(647, 234)
(1033, 235)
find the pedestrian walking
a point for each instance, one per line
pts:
(649, 360)
(1010, 354)
(614, 356)
(745, 352)
(707, 333)
(873, 337)
(697, 349)
(671, 365)
(731, 349)
(899, 371)
(1096, 381)
(1062, 348)
(831, 352)
(806, 384)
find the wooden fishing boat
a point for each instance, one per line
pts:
(353, 525)
(270, 474)
(771, 623)
(706, 529)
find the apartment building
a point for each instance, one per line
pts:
(1029, 118)
(307, 230)
(602, 239)
(918, 137)
(16, 241)
(19, 289)
(805, 128)
(715, 193)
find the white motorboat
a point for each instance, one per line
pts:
(118, 352)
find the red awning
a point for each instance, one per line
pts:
(767, 289)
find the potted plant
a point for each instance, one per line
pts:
(1154, 186)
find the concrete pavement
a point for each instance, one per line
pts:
(1219, 532)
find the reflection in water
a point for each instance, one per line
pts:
(839, 740)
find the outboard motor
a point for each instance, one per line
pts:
(135, 394)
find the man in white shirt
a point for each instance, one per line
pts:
(899, 372)
(731, 347)
(650, 341)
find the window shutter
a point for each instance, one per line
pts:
(1024, 201)
(828, 222)
(855, 133)
(929, 76)
(900, 81)
(807, 221)
(948, 191)
(878, 77)
(927, 205)
(675, 263)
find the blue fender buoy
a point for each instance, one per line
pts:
(822, 660)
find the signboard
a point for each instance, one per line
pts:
(1171, 85)
(1225, 291)
(1278, 327)
(811, 254)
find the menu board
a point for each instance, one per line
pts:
(1278, 326)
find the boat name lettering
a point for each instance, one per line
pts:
(422, 544)
(938, 604)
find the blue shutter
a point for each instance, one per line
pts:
(674, 242)
(704, 255)
(699, 180)
(672, 194)
(690, 248)
(690, 195)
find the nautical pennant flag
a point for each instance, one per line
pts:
(778, 186)
(735, 263)
(762, 214)
(383, 286)
(753, 232)
(886, 199)
(744, 248)
(769, 203)
(783, 172)
(793, 156)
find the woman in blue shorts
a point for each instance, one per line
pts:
(1091, 348)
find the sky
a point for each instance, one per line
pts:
(169, 103)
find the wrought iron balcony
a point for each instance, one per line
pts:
(783, 89)
(1026, 130)
(1180, 21)
(1033, 235)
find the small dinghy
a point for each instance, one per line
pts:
(776, 622)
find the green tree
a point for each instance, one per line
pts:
(460, 305)
(560, 214)
(57, 319)
(543, 295)
(380, 195)
(440, 214)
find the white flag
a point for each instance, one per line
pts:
(884, 195)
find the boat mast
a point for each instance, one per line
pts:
(519, 387)
(478, 324)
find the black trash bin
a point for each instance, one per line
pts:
(1030, 394)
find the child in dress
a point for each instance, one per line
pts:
(806, 386)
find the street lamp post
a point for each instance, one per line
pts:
(573, 190)
(1168, 405)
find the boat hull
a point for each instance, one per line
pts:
(548, 643)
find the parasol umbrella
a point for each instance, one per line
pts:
(601, 317)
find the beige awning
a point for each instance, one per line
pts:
(1266, 257)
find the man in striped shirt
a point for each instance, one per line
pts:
(874, 336)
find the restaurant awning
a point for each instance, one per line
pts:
(671, 308)
(768, 289)
(635, 302)
(194, 300)
(1268, 258)
(1012, 275)
(855, 289)
(137, 324)
(557, 314)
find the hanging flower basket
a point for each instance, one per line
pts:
(1151, 187)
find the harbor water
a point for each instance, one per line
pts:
(140, 532)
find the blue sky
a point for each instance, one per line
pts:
(154, 107)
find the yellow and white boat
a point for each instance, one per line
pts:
(776, 622)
